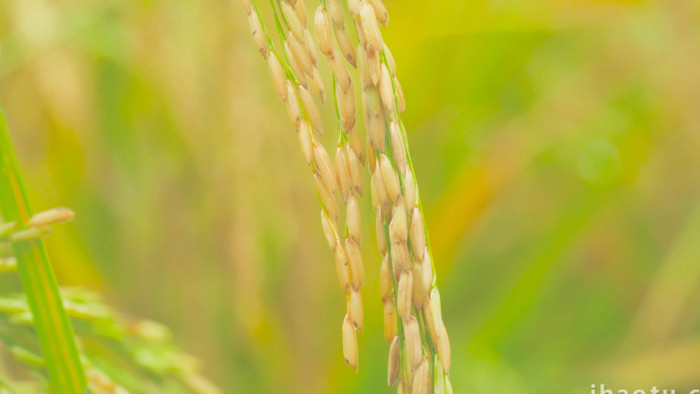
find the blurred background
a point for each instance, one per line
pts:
(555, 144)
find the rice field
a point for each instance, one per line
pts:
(553, 145)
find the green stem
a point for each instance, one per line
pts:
(53, 327)
(343, 133)
(280, 30)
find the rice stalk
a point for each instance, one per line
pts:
(295, 77)
(419, 356)
(407, 276)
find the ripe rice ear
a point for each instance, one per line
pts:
(371, 159)
(247, 6)
(279, 80)
(297, 68)
(355, 168)
(342, 267)
(310, 47)
(258, 34)
(391, 180)
(390, 60)
(399, 95)
(316, 85)
(324, 168)
(417, 234)
(300, 11)
(398, 146)
(52, 216)
(399, 259)
(293, 109)
(410, 193)
(349, 343)
(373, 65)
(386, 89)
(323, 31)
(357, 269)
(354, 8)
(354, 220)
(433, 315)
(400, 388)
(386, 280)
(413, 342)
(357, 144)
(293, 22)
(439, 379)
(422, 280)
(312, 111)
(329, 231)
(393, 367)
(381, 191)
(380, 11)
(355, 310)
(344, 180)
(374, 118)
(346, 106)
(370, 26)
(390, 319)
(305, 141)
(365, 77)
(29, 233)
(405, 292)
(301, 55)
(421, 378)
(339, 71)
(374, 180)
(381, 238)
(398, 229)
(326, 199)
(406, 273)
(443, 346)
(335, 11)
(346, 46)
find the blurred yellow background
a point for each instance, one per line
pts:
(556, 148)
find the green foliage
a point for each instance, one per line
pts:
(38, 280)
(120, 354)
(117, 354)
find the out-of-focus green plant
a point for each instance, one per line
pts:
(118, 354)
(50, 320)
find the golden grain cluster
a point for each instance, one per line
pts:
(419, 353)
